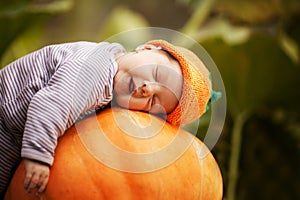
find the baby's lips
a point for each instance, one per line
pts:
(135, 92)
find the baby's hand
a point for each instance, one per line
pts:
(36, 177)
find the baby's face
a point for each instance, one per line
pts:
(148, 80)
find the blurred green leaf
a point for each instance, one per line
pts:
(253, 72)
(220, 28)
(28, 41)
(123, 19)
(201, 11)
(18, 16)
(256, 11)
(16, 10)
(289, 46)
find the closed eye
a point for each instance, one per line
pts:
(131, 86)
(156, 73)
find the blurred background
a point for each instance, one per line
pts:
(254, 43)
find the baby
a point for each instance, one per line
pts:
(47, 91)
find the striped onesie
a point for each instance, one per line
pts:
(43, 93)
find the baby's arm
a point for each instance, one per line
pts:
(50, 113)
(71, 91)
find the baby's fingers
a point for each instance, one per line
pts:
(27, 181)
(42, 184)
(31, 182)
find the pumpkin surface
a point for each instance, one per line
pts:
(119, 154)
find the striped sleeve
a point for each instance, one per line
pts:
(72, 91)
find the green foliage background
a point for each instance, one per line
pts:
(255, 45)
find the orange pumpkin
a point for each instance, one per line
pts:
(120, 154)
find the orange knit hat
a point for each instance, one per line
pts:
(196, 89)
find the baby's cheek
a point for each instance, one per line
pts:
(122, 101)
(158, 109)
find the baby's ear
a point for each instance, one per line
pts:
(147, 47)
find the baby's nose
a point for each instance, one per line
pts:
(147, 89)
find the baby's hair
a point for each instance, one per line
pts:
(147, 46)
